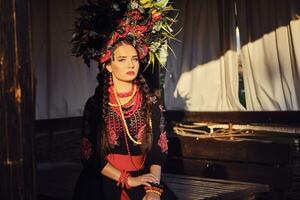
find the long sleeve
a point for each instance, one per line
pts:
(90, 157)
(159, 150)
(89, 183)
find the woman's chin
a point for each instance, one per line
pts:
(128, 80)
(131, 79)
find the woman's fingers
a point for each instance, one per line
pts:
(155, 178)
(144, 179)
(149, 179)
(152, 178)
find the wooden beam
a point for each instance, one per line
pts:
(275, 117)
(16, 102)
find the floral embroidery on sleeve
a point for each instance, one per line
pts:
(112, 137)
(163, 142)
(161, 108)
(86, 148)
(153, 99)
(141, 133)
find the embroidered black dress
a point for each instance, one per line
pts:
(91, 184)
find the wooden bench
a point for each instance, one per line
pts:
(194, 188)
(59, 183)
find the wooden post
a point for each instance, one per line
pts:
(17, 166)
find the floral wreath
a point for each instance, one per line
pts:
(103, 23)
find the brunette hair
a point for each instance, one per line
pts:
(103, 79)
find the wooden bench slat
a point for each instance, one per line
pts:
(189, 187)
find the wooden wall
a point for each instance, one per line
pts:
(17, 172)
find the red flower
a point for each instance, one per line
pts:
(156, 18)
(86, 148)
(134, 14)
(156, 15)
(115, 37)
(123, 31)
(105, 57)
(110, 42)
(142, 50)
(126, 30)
(140, 29)
(163, 142)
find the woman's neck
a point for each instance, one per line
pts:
(123, 86)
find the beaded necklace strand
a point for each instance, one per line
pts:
(124, 120)
(128, 133)
(129, 99)
(126, 94)
(128, 151)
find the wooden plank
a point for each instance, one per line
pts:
(235, 149)
(275, 117)
(58, 124)
(279, 178)
(17, 102)
(190, 187)
(264, 157)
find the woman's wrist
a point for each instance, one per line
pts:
(154, 188)
(133, 181)
(123, 179)
(154, 194)
(130, 181)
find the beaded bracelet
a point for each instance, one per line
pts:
(153, 189)
(123, 179)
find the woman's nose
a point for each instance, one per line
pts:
(131, 64)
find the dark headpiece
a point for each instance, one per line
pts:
(103, 23)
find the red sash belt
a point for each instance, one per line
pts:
(124, 162)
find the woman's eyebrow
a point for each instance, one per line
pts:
(122, 56)
(134, 56)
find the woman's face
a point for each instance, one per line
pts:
(125, 64)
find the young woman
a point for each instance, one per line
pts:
(124, 142)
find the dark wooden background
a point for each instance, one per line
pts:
(17, 174)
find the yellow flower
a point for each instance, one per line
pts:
(155, 13)
(145, 1)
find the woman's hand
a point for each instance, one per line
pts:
(151, 196)
(144, 179)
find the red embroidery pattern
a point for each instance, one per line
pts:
(129, 108)
(153, 99)
(86, 148)
(163, 142)
(112, 137)
(161, 108)
(133, 116)
(141, 133)
(115, 126)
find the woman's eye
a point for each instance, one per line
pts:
(135, 59)
(121, 60)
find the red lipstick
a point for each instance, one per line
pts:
(131, 73)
